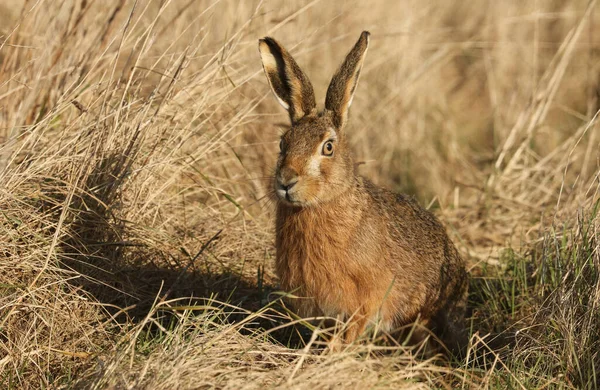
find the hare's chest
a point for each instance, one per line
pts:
(317, 262)
(323, 284)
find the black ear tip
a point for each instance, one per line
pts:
(271, 44)
(268, 40)
(365, 35)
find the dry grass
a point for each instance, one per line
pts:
(135, 138)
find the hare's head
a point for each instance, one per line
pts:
(314, 163)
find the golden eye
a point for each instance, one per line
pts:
(328, 148)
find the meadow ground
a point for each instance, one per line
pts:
(136, 142)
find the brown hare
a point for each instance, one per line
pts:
(345, 246)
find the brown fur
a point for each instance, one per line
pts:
(345, 246)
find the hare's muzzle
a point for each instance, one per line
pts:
(284, 188)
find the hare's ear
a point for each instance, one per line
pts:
(289, 84)
(344, 82)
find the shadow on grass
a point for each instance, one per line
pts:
(128, 277)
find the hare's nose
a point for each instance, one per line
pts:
(288, 186)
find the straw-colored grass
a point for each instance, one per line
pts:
(136, 142)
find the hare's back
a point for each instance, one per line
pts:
(415, 232)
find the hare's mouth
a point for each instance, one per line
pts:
(290, 191)
(289, 197)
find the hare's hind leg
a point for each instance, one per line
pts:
(450, 326)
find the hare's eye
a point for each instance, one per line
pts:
(281, 145)
(328, 148)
